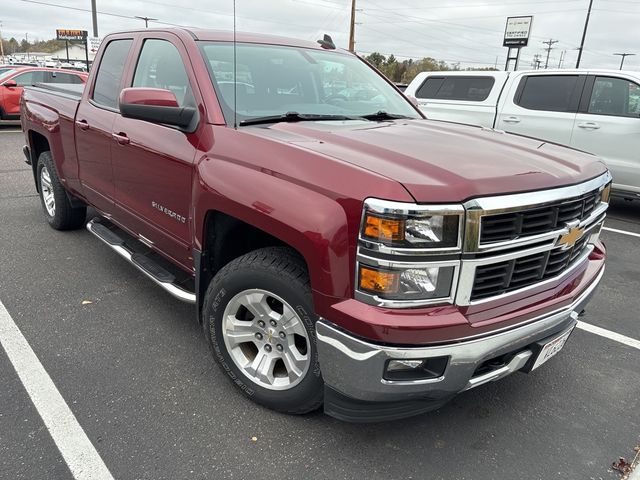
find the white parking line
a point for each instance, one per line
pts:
(74, 445)
(624, 232)
(603, 332)
(10, 131)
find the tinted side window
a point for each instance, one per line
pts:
(615, 96)
(429, 87)
(474, 89)
(549, 92)
(107, 87)
(57, 77)
(29, 78)
(160, 66)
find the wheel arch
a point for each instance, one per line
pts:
(272, 211)
(38, 144)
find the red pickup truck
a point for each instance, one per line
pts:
(341, 250)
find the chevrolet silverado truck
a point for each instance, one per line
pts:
(340, 249)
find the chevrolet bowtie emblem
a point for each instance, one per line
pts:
(570, 238)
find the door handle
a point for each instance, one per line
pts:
(589, 125)
(511, 120)
(121, 138)
(82, 124)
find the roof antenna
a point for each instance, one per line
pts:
(327, 42)
(235, 71)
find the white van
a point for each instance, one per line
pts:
(597, 111)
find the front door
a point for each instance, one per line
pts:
(542, 106)
(94, 127)
(11, 95)
(153, 164)
(608, 125)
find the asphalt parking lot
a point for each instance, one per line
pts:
(135, 371)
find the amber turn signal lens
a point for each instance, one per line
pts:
(377, 281)
(384, 228)
(606, 193)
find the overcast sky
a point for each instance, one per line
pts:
(465, 31)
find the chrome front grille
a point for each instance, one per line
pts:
(520, 241)
(535, 221)
(503, 277)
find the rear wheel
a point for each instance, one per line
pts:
(259, 320)
(55, 203)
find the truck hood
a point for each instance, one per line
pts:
(439, 161)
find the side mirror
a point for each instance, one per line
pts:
(157, 105)
(10, 84)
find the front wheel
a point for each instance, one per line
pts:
(260, 323)
(58, 210)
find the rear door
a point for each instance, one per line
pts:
(94, 125)
(608, 125)
(11, 97)
(541, 106)
(469, 99)
(153, 163)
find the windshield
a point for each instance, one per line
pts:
(275, 80)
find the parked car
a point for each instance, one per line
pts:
(596, 111)
(12, 83)
(339, 251)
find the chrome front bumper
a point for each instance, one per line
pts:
(354, 368)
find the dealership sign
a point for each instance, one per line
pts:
(66, 34)
(93, 43)
(516, 34)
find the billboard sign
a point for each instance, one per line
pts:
(66, 34)
(516, 33)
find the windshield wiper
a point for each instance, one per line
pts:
(295, 117)
(382, 115)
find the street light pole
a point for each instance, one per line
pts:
(146, 20)
(623, 55)
(584, 34)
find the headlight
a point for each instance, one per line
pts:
(408, 254)
(411, 283)
(409, 226)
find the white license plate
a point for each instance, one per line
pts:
(551, 348)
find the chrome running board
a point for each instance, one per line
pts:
(146, 265)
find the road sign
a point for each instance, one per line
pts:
(516, 33)
(66, 34)
(93, 43)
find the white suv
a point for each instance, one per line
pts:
(597, 111)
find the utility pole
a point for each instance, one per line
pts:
(26, 36)
(562, 55)
(1, 43)
(352, 27)
(536, 62)
(623, 55)
(94, 18)
(584, 34)
(549, 42)
(146, 20)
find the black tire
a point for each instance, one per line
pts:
(65, 217)
(282, 272)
